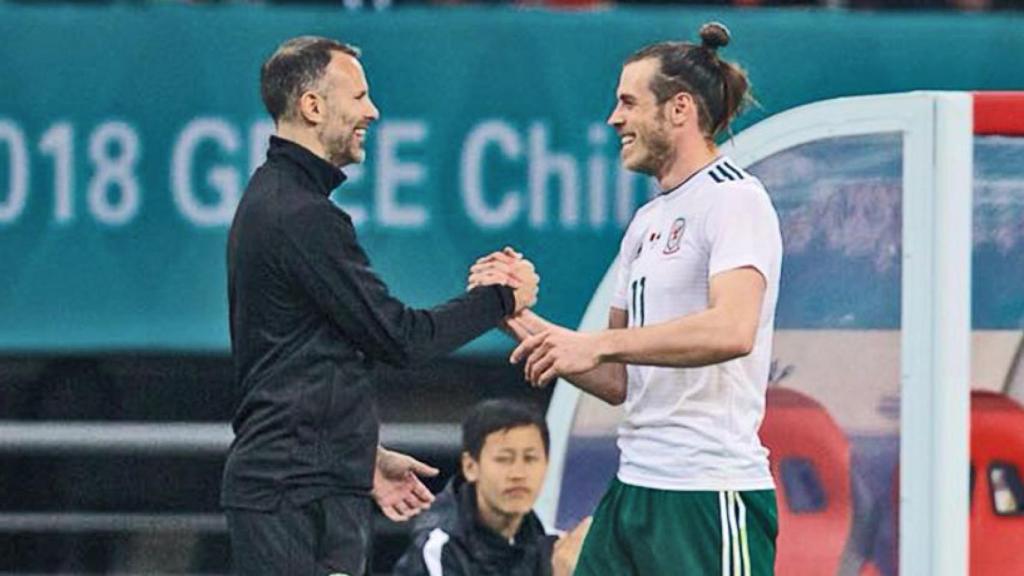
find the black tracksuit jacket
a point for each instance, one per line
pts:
(309, 322)
(449, 540)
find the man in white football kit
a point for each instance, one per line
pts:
(689, 341)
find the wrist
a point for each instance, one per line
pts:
(606, 345)
(508, 298)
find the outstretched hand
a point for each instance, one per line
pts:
(397, 487)
(554, 352)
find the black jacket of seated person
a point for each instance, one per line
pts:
(450, 540)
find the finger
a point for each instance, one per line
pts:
(498, 257)
(547, 377)
(581, 529)
(412, 504)
(524, 264)
(402, 508)
(538, 353)
(488, 257)
(511, 252)
(422, 494)
(496, 264)
(418, 497)
(541, 354)
(489, 278)
(532, 322)
(541, 366)
(518, 329)
(491, 267)
(422, 470)
(393, 514)
(508, 257)
(526, 347)
(492, 271)
(550, 364)
(513, 280)
(417, 487)
(479, 278)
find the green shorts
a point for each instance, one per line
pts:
(647, 532)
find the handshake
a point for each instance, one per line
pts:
(507, 267)
(547, 351)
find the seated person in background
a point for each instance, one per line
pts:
(482, 523)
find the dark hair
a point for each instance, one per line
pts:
(720, 87)
(296, 66)
(492, 416)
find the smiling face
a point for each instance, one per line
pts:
(640, 121)
(510, 471)
(348, 111)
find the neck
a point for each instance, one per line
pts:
(505, 524)
(301, 136)
(688, 162)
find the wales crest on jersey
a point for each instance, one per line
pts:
(675, 236)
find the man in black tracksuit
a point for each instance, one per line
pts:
(309, 322)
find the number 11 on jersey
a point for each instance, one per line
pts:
(636, 314)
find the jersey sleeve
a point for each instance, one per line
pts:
(742, 230)
(623, 262)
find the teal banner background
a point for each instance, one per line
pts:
(128, 133)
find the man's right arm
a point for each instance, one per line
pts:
(323, 257)
(607, 381)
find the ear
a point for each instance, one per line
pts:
(681, 109)
(311, 107)
(470, 468)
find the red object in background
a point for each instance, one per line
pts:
(802, 436)
(997, 442)
(999, 113)
(869, 569)
(997, 446)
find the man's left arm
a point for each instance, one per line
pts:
(727, 329)
(742, 234)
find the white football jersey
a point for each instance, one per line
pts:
(696, 428)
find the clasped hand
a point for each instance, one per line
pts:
(507, 267)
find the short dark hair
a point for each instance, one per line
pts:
(499, 414)
(720, 87)
(296, 66)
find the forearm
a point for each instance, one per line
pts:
(389, 331)
(331, 267)
(457, 322)
(607, 382)
(701, 339)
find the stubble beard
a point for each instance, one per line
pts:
(340, 146)
(657, 151)
(340, 150)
